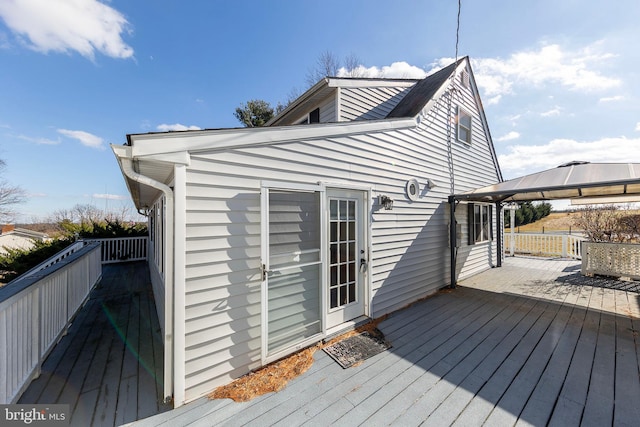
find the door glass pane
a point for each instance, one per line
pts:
(343, 253)
(294, 306)
(333, 207)
(351, 215)
(293, 284)
(294, 228)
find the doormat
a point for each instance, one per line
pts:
(357, 348)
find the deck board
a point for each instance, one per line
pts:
(100, 367)
(532, 343)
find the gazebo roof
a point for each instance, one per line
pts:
(575, 180)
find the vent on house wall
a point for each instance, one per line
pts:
(464, 79)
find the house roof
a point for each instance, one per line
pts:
(323, 89)
(154, 154)
(422, 92)
(575, 180)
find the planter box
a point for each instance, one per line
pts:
(611, 259)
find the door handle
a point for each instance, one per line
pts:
(363, 265)
(265, 271)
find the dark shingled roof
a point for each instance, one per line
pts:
(422, 92)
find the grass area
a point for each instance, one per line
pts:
(556, 221)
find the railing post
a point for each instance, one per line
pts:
(565, 241)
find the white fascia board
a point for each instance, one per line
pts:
(191, 141)
(355, 82)
(302, 98)
(176, 157)
(121, 151)
(180, 158)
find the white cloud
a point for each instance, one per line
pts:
(398, 70)
(87, 139)
(558, 151)
(509, 137)
(612, 98)
(553, 112)
(108, 196)
(638, 127)
(177, 126)
(84, 26)
(493, 100)
(550, 64)
(40, 141)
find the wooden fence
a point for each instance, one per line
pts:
(561, 245)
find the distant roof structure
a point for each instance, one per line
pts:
(574, 180)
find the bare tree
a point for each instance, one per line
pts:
(353, 66)
(10, 195)
(609, 223)
(327, 65)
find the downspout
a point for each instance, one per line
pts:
(453, 240)
(127, 168)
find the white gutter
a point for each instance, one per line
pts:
(126, 164)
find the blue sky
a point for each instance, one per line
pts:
(558, 78)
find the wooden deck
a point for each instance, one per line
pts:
(108, 368)
(528, 344)
(531, 343)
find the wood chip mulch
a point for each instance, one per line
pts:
(275, 376)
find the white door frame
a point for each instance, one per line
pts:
(366, 218)
(339, 316)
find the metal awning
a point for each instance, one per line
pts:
(573, 180)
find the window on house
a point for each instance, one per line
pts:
(480, 223)
(314, 116)
(464, 126)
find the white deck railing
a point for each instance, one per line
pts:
(54, 259)
(562, 245)
(122, 249)
(35, 311)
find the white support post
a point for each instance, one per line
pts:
(512, 217)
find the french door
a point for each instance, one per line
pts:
(314, 263)
(348, 256)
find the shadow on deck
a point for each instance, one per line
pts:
(108, 367)
(527, 344)
(519, 345)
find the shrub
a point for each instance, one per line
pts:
(18, 261)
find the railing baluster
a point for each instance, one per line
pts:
(546, 244)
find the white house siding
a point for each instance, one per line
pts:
(369, 103)
(475, 168)
(156, 227)
(473, 259)
(409, 257)
(328, 111)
